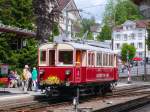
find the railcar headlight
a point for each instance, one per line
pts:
(68, 72)
(41, 72)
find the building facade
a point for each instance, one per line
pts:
(70, 16)
(133, 33)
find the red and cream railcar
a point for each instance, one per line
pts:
(71, 64)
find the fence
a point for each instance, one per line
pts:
(135, 71)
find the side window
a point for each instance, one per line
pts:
(89, 59)
(107, 60)
(99, 59)
(43, 57)
(111, 60)
(93, 59)
(104, 59)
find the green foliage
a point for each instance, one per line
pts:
(116, 13)
(55, 29)
(105, 34)
(55, 32)
(126, 10)
(127, 49)
(17, 13)
(86, 25)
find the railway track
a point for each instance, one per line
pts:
(42, 104)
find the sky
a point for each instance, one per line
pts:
(92, 8)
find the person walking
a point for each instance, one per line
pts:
(34, 78)
(25, 78)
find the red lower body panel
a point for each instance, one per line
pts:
(78, 75)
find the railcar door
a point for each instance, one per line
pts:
(51, 57)
(78, 66)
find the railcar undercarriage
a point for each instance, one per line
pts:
(84, 89)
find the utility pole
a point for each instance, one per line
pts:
(76, 100)
(67, 23)
(145, 72)
(128, 62)
(113, 24)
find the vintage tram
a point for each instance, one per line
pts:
(65, 66)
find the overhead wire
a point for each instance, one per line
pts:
(89, 13)
(92, 6)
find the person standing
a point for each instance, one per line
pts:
(34, 78)
(29, 81)
(25, 78)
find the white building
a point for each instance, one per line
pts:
(69, 8)
(131, 32)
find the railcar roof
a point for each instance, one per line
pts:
(79, 46)
(87, 47)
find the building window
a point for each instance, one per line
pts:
(132, 36)
(140, 54)
(118, 37)
(129, 27)
(117, 46)
(132, 44)
(125, 37)
(140, 36)
(140, 45)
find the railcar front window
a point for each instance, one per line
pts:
(42, 57)
(66, 57)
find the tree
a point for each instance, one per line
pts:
(17, 13)
(127, 51)
(116, 13)
(126, 10)
(45, 15)
(86, 26)
(105, 34)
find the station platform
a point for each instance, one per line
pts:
(16, 93)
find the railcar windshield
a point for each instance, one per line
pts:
(43, 56)
(66, 57)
